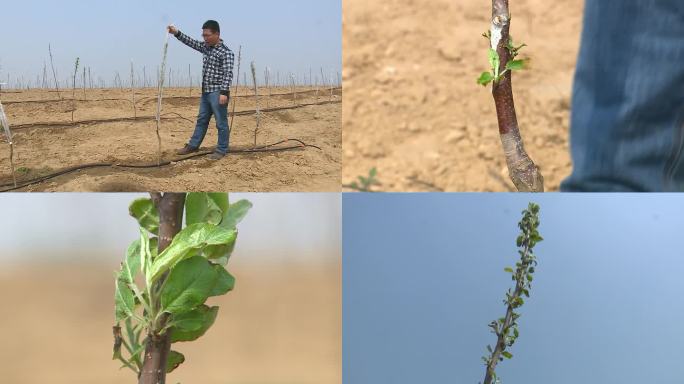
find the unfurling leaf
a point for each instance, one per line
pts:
(485, 78)
(235, 213)
(124, 300)
(188, 243)
(515, 65)
(190, 326)
(201, 208)
(144, 211)
(493, 60)
(174, 360)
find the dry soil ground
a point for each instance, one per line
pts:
(412, 107)
(46, 141)
(281, 324)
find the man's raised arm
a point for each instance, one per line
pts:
(185, 39)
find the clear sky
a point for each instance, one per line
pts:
(60, 225)
(106, 35)
(423, 276)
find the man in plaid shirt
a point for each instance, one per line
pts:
(217, 75)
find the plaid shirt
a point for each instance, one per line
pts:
(217, 67)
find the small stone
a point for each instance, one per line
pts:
(454, 137)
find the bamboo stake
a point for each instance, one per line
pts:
(237, 81)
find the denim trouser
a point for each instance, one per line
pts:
(209, 104)
(627, 119)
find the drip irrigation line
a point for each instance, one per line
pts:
(264, 148)
(67, 124)
(142, 100)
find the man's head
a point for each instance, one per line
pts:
(211, 32)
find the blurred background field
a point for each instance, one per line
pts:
(281, 323)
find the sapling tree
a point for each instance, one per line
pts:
(364, 184)
(4, 126)
(167, 276)
(256, 101)
(235, 89)
(502, 60)
(73, 90)
(506, 328)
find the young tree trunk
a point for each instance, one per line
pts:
(522, 170)
(170, 206)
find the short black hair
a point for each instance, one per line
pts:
(212, 25)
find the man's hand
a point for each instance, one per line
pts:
(172, 29)
(223, 99)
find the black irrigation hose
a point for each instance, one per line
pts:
(143, 118)
(263, 148)
(154, 98)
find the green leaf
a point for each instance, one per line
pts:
(508, 269)
(174, 360)
(493, 60)
(187, 243)
(506, 354)
(225, 282)
(200, 208)
(124, 300)
(145, 256)
(188, 285)
(485, 78)
(515, 65)
(131, 266)
(144, 211)
(235, 213)
(192, 325)
(221, 199)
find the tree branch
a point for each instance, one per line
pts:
(522, 170)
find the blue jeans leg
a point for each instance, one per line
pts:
(627, 119)
(205, 112)
(221, 116)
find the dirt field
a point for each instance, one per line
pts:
(46, 141)
(412, 107)
(281, 324)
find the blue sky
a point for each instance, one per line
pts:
(423, 276)
(57, 226)
(106, 35)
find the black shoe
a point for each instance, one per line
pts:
(186, 150)
(216, 156)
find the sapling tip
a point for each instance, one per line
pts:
(167, 276)
(502, 54)
(506, 328)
